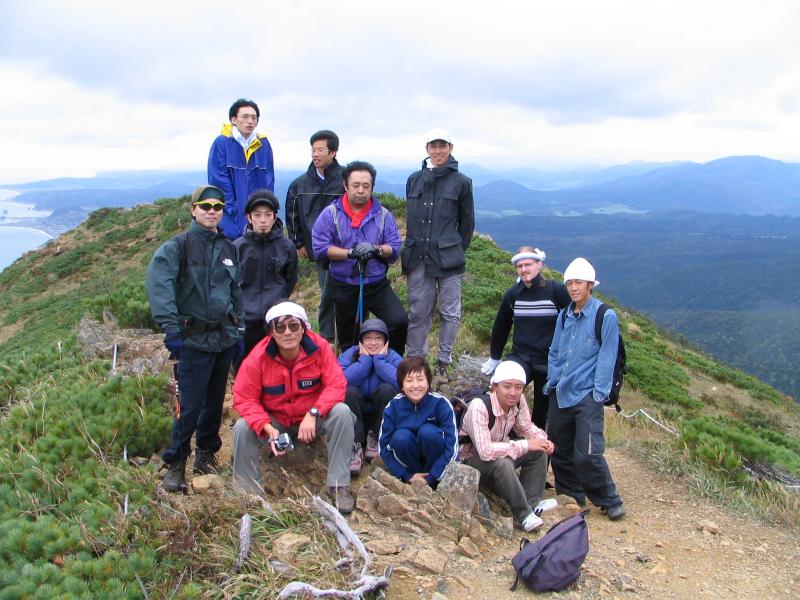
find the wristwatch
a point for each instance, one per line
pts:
(314, 412)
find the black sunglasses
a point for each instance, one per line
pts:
(208, 206)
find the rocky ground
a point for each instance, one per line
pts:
(670, 545)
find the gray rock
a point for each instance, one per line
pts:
(459, 486)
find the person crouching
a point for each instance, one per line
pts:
(418, 432)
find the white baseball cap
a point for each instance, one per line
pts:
(438, 134)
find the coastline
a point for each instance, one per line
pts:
(31, 227)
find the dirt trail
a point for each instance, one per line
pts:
(659, 547)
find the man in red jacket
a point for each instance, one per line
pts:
(291, 383)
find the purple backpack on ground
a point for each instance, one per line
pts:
(553, 562)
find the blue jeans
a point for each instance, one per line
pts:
(202, 380)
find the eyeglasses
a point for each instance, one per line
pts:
(208, 206)
(293, 326)
(247, 117)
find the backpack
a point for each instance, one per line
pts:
(620, 366)
(553, 562)
(460, 403)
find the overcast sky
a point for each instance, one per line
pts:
(94, 86)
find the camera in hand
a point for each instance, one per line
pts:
(284, 442)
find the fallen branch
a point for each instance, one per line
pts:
(364, 584)
(367, 584)
(244, 542)
(331, 514)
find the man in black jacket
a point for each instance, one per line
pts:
(531, 305)
(307, 196)
(195, 297)
(268, 262)
(440, 222)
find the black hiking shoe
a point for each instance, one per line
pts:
(614, 513)
(175, 479)
(441, 369)
(205, 463)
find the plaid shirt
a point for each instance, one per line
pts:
(494, 444)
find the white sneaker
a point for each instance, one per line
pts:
(532, 522)
(545, 506)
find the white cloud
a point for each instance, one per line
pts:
(92, 86)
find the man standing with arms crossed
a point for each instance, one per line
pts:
(307, 196)
(579, 378)
(240, 163)
(440, 222)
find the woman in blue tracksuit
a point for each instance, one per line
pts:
(371, 372)
(418, 435)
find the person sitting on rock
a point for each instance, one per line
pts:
(418, 432)
(489, 449)
(291, 383)
(371, 372)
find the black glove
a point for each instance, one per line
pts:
(362, 251)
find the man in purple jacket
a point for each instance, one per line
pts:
(359, 238)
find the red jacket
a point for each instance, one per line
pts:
(266, 388)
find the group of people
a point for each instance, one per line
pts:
(221, 290)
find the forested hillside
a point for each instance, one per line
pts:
(729, 284)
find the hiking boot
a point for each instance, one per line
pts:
(441, 369)
(614, 513)
(545, 506)
(373, 449)
(175, 479)
(342, 499)
(356, 459)
(532, 522)
(205, 463)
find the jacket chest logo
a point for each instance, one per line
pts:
(304, 384)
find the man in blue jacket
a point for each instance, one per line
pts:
(580, 372)
(360, 239)
(240, 163)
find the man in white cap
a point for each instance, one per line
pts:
(579, 377)
(439, 224)
(291, 383)
(531, 305)
(486, 446)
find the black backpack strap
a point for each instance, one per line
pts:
(487, 402)
(598, 322)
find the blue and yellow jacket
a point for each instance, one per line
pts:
(239, 173)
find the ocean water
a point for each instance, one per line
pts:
(16, 241)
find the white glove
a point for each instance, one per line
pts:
(489, 366)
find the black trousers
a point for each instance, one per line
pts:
(536, 376)
(202, 380)
(380, 300)
(579, 467)
(368, 409)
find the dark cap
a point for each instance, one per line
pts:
(373, 325)
(207, 192)
(262, 198)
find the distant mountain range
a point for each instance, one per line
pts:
(750, 185)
